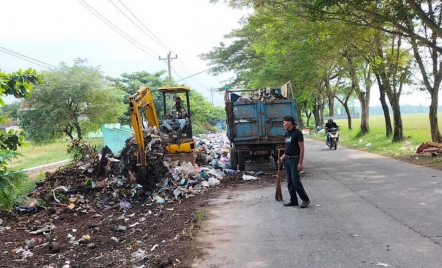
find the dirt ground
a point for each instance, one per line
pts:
(93, 238)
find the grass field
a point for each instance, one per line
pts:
(416, 131)
(34, 155)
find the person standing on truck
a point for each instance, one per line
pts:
(178, 113)
(293, 158)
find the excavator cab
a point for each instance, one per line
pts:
(176, 125)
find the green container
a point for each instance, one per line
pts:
(115, 136)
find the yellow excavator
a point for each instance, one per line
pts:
(179, 142)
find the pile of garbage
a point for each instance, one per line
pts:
(103, 181)
(260, 95)
(429, 149)
(102, 206)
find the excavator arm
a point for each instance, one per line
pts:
(142, 99)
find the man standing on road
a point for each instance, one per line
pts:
(292, 158)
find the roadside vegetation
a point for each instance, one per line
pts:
(415, 130)
(34, 155)
(336, 52)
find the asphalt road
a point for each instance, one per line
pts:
(366, 211)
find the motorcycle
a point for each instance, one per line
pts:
(332, 138)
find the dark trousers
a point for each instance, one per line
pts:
(294, 181)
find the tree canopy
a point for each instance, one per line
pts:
(335, 50)
(75, 100)
(18, 84)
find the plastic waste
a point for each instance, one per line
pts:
(213, 182)
(64, 188)
(26, 254)
(125, 204)
(84, 239)
(249, 177)
(154, 247)
(177, 192)
(159, 199)
(139, 255)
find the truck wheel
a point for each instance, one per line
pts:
(241, 161)
(233, 158)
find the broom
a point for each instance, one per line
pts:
(278, 194)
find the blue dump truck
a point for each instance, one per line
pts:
(255, 129)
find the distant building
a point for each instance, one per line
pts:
(10, 126)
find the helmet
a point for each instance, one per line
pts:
(330, 119)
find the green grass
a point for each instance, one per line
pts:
(200, 214)
(416, 131)
(35, 155)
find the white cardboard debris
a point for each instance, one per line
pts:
(249, 177)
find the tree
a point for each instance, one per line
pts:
(343, 96)
(203, 113)
(18, 84)
(419, 22)
(11, 110)
(74, 101)
(391, 65)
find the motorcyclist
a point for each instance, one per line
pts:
(328, 126)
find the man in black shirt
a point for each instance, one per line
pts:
(293, 157)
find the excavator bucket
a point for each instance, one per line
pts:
(185, 157)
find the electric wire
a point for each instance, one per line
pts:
(194, 75)
(185, 69)
(134, 23)
(181, 79)
(26, 58)
(159, 42)
(116, 29)
(164, 45)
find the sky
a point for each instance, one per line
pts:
(54, 31)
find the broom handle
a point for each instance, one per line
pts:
(279, 156)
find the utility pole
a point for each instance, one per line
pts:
(211, 91)
(168, 65)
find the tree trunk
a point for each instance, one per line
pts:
(365, 127)
(299, 117)
(347, 111)
(77, 127)
(321, 112)
(388, 127)
(435, 133)
(398, 133)
(308, 115)
(316, 115)
(68, 131)
(331, 104)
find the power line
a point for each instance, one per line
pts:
(194, 75)
(115, 28)
(181, 79)
(185, 69)
(134, 23)
(159, 42)
(26, 58)
(146, 27)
